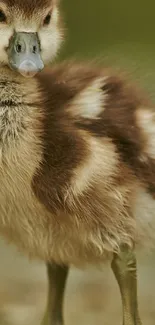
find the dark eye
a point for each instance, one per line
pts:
(47, 19)
(2, 17)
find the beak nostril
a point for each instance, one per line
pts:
(34, 49)
(18, 48)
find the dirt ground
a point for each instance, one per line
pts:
(92, 297)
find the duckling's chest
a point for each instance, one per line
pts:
(22, 217)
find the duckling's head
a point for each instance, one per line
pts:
(30, 34)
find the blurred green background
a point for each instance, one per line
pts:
(119, 32)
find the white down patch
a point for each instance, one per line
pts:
(89, 103)
(99, 165)
(146, 121)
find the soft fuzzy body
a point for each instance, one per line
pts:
(76, 164)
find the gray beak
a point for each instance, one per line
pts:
(24, 54)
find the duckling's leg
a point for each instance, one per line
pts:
(125, 270)
(57, 276)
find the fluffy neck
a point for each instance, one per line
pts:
(19, 107)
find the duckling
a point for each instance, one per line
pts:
(77, 158)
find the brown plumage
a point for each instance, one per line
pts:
(77, 163)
